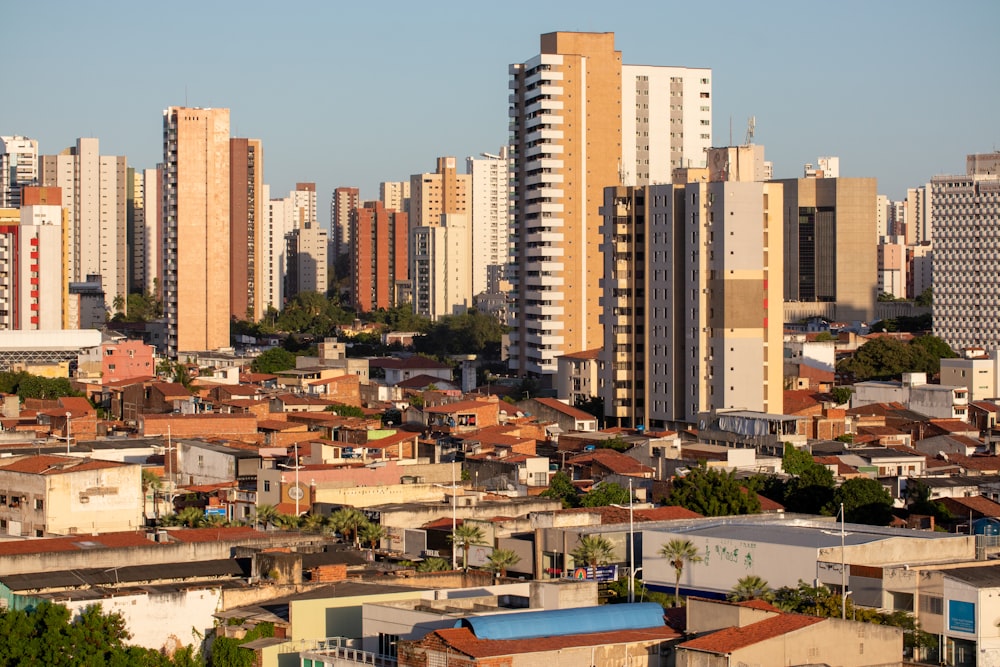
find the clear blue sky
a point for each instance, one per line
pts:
(356, 93)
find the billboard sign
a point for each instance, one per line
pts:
(962, 616)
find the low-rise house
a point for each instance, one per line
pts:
(463, 416)
(565, 416)
(398, 370)
(296, 403)
(201, 462)
(61, 495)
(885, 462)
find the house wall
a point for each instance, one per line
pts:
(833, 641)
(94, 501)
(336, 617)
(162, 620)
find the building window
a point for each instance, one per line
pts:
(39, 504)
(387, 645)
(267, 486)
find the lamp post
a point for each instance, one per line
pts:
(69, 415)
(454, 516)
(296, 492)
(843, 569)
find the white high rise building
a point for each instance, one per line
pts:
(664, 107)
(18, 167)
(490, 219)
(440, 267)
(965, 212)
(279, 223)
(94, 193)
(581, 121)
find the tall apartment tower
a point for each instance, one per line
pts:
(666, 121)
(965, 213)
(247, 210)
(278, 225)
(441, 267)
(379, 256)
(95, 193)
(581, 121)
(345, 201)
(34, 288)
(395, 195)
(196, 228)
(152, 185)
(918, 216)
(310, 243)
(135, 224)
(831, 261)
(490, 219)
(691, 300)
(18, 168)
(435, 194)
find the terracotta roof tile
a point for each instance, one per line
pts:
(567, 410)
(732, 639)
(464, 641)
(46, 464)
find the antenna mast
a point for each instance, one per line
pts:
(751, 128)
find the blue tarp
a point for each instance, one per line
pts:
(557, 622)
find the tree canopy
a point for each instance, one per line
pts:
(561, 487)
(26, 385)
(605, 493)
(472, 332)
(865, 501)
(711, 492)
(272, 361)
(886, 358)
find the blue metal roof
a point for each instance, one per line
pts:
(558, 622)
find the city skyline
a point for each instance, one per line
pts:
(381, 99)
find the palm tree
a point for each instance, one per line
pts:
(594, 550)
(266, 515)
(348, 521)
(679, 552)
(192, 517)
(433, 564)
(465, 536)
(751, 587)
(286, 521)
(501, 559)
(215, 521)
(372, 534)
(313, 523)
(150, 482)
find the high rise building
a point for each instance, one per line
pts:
(196, 228)
(135, 216)
(18, 168)
(666, 121)
(94, 192)
(342, 206)
(379, 256)
(441, 267)
(279, 224)
(691, 300)
(918, 219)
(965, 212)
(247, 211)
(34, 286)
(307, 246)
(893, 267)
(831, 264)
(433, 195)
(580, 122)
(490, 185)
(395, 195)
(152, 180)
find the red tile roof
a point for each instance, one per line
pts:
(464, 641)
(613, 461)
(565, 409)
(47, 464)
(798, 400)
(122, 540)
(733, 639)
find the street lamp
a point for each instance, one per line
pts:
(296, 491)
(68, 438)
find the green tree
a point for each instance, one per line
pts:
(465, 535)
(865, 501)
(313, 523)
(918, 501)
(372, 534)
(593, 550)
(348, 521)
(502, 559)
(561, 487)
(594, 406)
(679, 552)
(345, 410)
(925, 298)
(841, 394)
(617, 443)
(266, 515)
(273, 361)
(795, 461)
(150, 482)
(712, 492)
(433, 564)
(604, 494)
(227, 651)
(824, 337)
(191, 517)
(810, 491)
(751, 587)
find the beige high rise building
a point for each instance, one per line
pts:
(395, 195)
(692, 309)
(582, 121)
(344, 203)
(196, 225)
(443, 192)
(94, 190)
(310, 249)
(831, 263)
